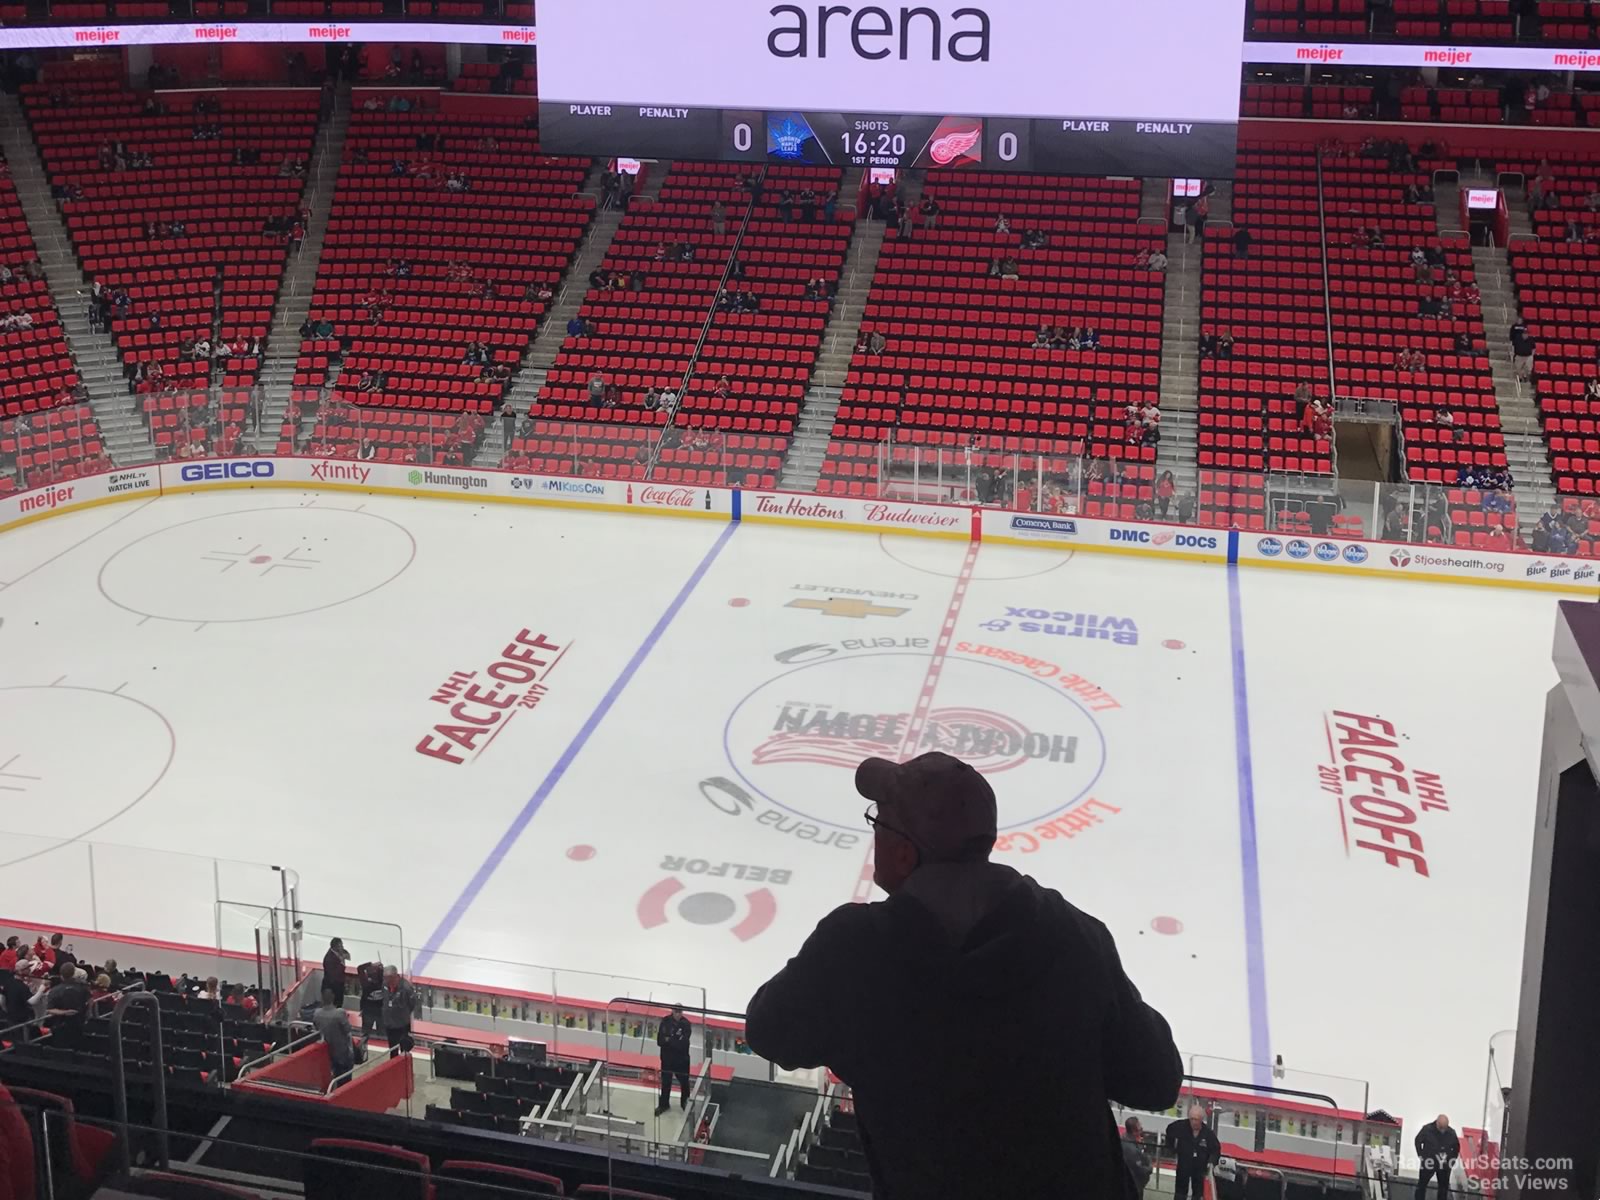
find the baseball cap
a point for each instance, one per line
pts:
(941, 803)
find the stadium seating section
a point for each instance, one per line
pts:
(1271, 303)
(413, 273)
(187, 236)
(736, 415)
(1375, 295)
(958, 369)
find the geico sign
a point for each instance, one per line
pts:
(1143, 537)
(197, 472)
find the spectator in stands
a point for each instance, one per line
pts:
(1194, 220)
(66, 1005)
(673, 1036)
(652, 399)
(211, 991)
(332, 1023)
(1208, 344)
(334, 969)
(719, 218)
(1002, 223)
(1166, 486)
(1034, 239)
(1438, 1147)
(1045, 338)
(830, 205)
(930, 210)
(1241, 242)
(1157, 261)
(1134, 1153)
(1446, 420)
(368, 450)
(1523, 346)
(905, 218)
(1195, 1147)
(16, 999)
(876, 986)
(597, 388)
(1225, 345)
(399, 1002)
(1090, 339)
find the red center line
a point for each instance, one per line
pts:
(924, 704)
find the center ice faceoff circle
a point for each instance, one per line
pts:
(256, 564)
(796, 739)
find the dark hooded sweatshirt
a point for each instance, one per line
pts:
(982, 1023)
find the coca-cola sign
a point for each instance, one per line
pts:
(666, 497)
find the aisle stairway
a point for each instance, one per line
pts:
(812, 433)
(300, 277)
(124, 433)
(542, 351)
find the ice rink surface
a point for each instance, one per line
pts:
(623, 745)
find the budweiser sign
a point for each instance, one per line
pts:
(906, 515)
(667, 497)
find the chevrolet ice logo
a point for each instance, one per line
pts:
(844, 606)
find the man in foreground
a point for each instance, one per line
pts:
(982, 1021)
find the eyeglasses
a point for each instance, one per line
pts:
(874, 822)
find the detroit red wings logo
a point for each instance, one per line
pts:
(948, 147)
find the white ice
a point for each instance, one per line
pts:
(248, 675)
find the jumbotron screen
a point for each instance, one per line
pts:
(1135, 87)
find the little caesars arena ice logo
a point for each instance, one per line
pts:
(1027, 723)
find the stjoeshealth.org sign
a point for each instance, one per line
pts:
(1430, 562)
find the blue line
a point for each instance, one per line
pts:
(487, 868)
(1249, 865)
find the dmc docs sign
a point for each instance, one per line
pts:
(1084, 533)
(75, 493)
(264, 31)
(1425, 562)
(837, 512)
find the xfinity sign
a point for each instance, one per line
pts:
(210, 472)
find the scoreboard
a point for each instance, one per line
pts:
(1139, 87)
(1057, 145)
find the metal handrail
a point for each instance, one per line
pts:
(274, 1052)
(119, 1069)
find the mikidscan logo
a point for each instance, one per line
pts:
(1269, 547)
(569, 487)
(872, 33)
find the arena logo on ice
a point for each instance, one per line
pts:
(482, 703)
(1121, 630)
(1378, 792)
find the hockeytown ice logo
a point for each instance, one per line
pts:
(988, 740)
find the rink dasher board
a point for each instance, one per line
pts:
(1055, 532)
